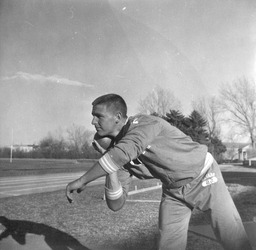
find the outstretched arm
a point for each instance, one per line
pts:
(78, 185)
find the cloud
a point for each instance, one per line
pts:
(42, 78)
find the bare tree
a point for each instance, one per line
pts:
(159, 101)
(209, 109)
(232, 145)
(239, 100)
(78, 136)
(52, 146)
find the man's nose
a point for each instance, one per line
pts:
(94, 120)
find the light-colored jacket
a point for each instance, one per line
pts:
(167, 153)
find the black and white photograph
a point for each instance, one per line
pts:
(127, 125)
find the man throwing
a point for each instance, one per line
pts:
(190, 176)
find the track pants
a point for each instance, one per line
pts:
(207, 192)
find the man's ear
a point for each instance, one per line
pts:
(118, 117)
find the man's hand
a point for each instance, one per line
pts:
(101, 144)
(73, 186)
(95, 172)
(97, 147)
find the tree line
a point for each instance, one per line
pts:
(230, 115)
(76, 144)
(235, 108)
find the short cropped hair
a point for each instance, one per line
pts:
(114, 101)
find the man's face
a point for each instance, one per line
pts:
(104, 120)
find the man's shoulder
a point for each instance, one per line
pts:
(142, 118)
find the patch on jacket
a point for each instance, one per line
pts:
(209, 179)
(135, 121)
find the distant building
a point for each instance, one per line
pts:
(25, 148)
(240, 152)
(247, 152)
(232, 152)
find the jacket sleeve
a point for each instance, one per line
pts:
(116, 199)
(141, 132)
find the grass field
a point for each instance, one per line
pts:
(19, 167)
(89, 222)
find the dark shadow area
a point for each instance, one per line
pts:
(54, 238)
(242, 178)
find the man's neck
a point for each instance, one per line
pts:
(120, 127)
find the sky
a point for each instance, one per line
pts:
(57, 56)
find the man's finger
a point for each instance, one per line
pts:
(94, 145)
(69, 195)
(97, 147)
(70, 198)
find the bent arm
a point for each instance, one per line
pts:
(116, 189)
